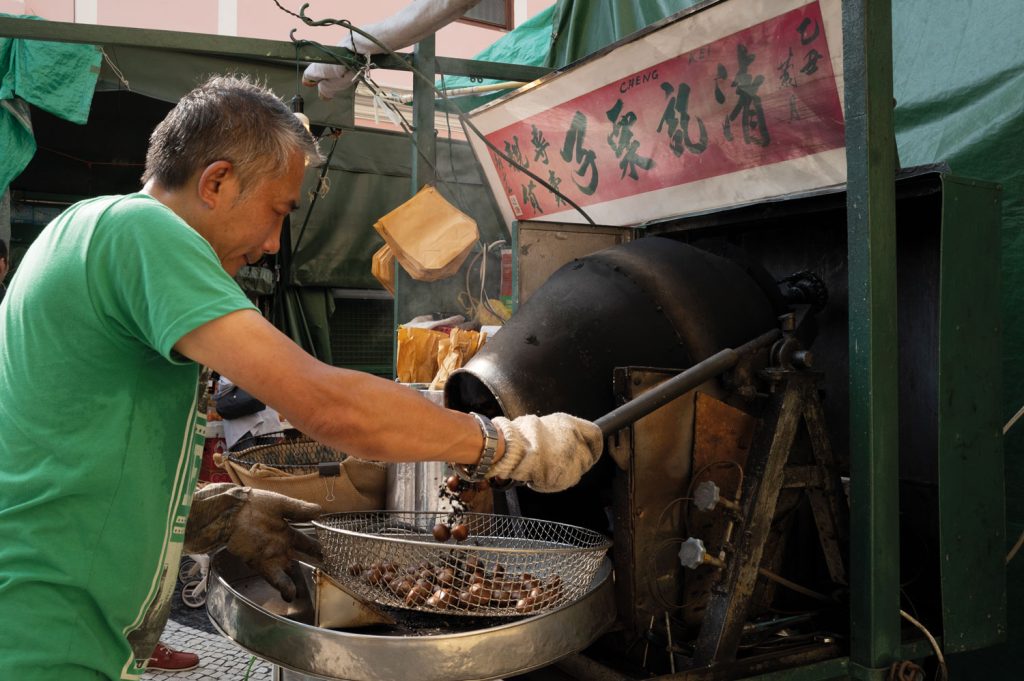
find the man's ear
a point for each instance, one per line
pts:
(212, 182)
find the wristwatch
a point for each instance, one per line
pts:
(478, 472)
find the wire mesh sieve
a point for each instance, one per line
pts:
(507, 566)
(289, 451)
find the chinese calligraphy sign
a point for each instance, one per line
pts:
(759, 96)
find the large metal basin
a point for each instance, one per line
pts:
(249, 611)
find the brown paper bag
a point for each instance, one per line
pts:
(417, 354)
(383, 268)
(459, 348)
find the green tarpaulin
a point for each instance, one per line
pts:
(529, 45)
(57, 77)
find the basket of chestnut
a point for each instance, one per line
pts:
(460, 563)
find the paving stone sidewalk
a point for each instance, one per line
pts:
(219, 658)
(190, 630)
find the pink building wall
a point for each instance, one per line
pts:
(263, 19)
(260, 18)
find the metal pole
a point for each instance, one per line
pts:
(871, 243)
(424, 152)
(682, 382)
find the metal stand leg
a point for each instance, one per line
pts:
(795, 399)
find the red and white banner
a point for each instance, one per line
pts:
(738, 102)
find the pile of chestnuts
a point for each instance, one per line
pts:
(457, 584)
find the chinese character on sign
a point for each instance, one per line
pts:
(554, 181)
(540, 145)
(513, 152)
(574, 151)
(530, 197)
(807, 36)
(623, 143)
(786, 78)
(677, 118)
(811, 62)
(748, 103)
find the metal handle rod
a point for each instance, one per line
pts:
(635, 409)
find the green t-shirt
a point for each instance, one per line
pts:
(100, 436)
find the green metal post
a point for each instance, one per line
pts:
(871, 243)
(424, 138)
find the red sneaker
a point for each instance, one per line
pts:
(168, 660)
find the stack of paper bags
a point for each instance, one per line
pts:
(428, 236)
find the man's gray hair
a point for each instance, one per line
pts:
(227, 118)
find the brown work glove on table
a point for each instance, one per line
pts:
(549, 453)
(251, 524)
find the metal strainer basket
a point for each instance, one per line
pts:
(507, 566)
(289, 451)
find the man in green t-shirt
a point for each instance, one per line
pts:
(104, 326)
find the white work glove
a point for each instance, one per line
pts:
(549, 453)
(251, 524)
(411, 24)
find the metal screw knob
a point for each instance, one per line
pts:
(692, 553)
(706, 496)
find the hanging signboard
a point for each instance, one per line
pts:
(729, 103)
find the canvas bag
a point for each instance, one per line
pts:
(337, 486)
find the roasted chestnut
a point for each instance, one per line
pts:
(502, 599)
(441, 532)
(530, 584)
(528, 604)
(446, 577)
(459, 532)
(479, 595)
(442, 599)
(401, 586)
(417, 595)
(374, 575)
(467, 600)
